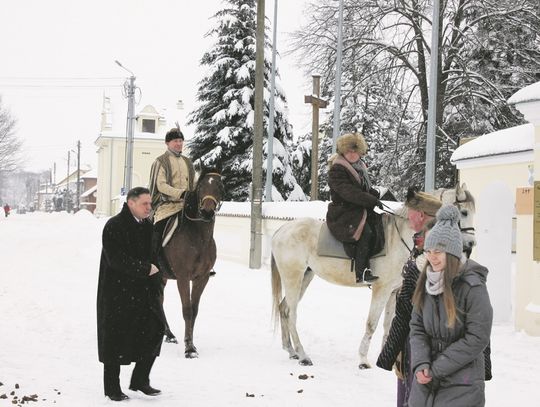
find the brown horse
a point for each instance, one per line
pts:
(191, 252)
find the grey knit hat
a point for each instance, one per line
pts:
(445, 235)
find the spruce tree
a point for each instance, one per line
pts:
(225, 117)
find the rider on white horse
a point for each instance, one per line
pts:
(350, 215)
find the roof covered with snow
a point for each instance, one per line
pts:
(529, 93)
(512, 140)
(90, 174)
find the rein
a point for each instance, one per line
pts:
(390, 212)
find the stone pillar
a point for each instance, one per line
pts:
(527, 287)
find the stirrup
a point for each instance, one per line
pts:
(367, 276)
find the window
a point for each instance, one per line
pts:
(148, 126)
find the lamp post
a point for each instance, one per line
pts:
(129, 87)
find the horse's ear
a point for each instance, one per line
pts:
(460, 192)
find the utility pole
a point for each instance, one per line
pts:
(270, 143)
(337, 87)
(129, 87)
(316, 103)
(256, 185)
(78, 174)
(68, 164)
(432, 104)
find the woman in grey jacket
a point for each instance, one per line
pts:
(451, 322)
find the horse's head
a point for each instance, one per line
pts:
(209, 192)
(464, 201)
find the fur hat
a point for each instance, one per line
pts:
(422, 201)
(172, 134)
(351, 142)
(445, 235)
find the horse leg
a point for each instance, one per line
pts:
(379, 297)
(294, 296)
(196, 292)
(187, 312)
(389, 311)
(284, 316)
(285, 334)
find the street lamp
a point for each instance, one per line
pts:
(130, 94)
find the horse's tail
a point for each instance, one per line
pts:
(276, 292)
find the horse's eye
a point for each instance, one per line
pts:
(464, 212)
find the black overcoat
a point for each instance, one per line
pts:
(349, 199)
(129, 323)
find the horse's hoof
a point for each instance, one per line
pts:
(364, 366)
(191, 355)
(306, 362)
(171, 339)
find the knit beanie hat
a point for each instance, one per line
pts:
(422, 201)
(172, 134)
(445, 235)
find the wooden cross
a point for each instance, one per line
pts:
(316, 103)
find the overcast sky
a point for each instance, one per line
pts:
(161, 41)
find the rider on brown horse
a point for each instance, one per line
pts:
(171, 176)
(350, 215)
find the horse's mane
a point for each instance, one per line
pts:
(401, 212)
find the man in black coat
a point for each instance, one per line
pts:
(129, 313)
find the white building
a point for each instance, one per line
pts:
(149, 143)
(499, 170)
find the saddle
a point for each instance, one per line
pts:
(168, 232)
(329, 246)
(169, 229)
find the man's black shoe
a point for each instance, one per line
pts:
(146, 389)
(117, 396)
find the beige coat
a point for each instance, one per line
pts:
(171, 201)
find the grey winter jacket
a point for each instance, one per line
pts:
(454, 355)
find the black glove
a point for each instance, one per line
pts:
(375, 192)
(379, 205)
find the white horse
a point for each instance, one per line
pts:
(295, 262)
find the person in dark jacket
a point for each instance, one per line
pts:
(450, 323)
(421, 210)
(350, 215)
(129, 313)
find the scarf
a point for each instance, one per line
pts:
(361, 169)
(434, 281)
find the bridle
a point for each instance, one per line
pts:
(200, 201)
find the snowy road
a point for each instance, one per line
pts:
(48, 278)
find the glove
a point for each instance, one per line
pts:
(375, 192)
(379, 205)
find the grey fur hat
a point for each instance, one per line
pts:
(445, 235)
(351, 142)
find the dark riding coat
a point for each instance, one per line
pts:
(350, 198)
(453, 355)
(129, 324)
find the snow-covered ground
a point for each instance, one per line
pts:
(48, 278)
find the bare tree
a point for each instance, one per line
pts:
(387, 50)
(10, 145)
